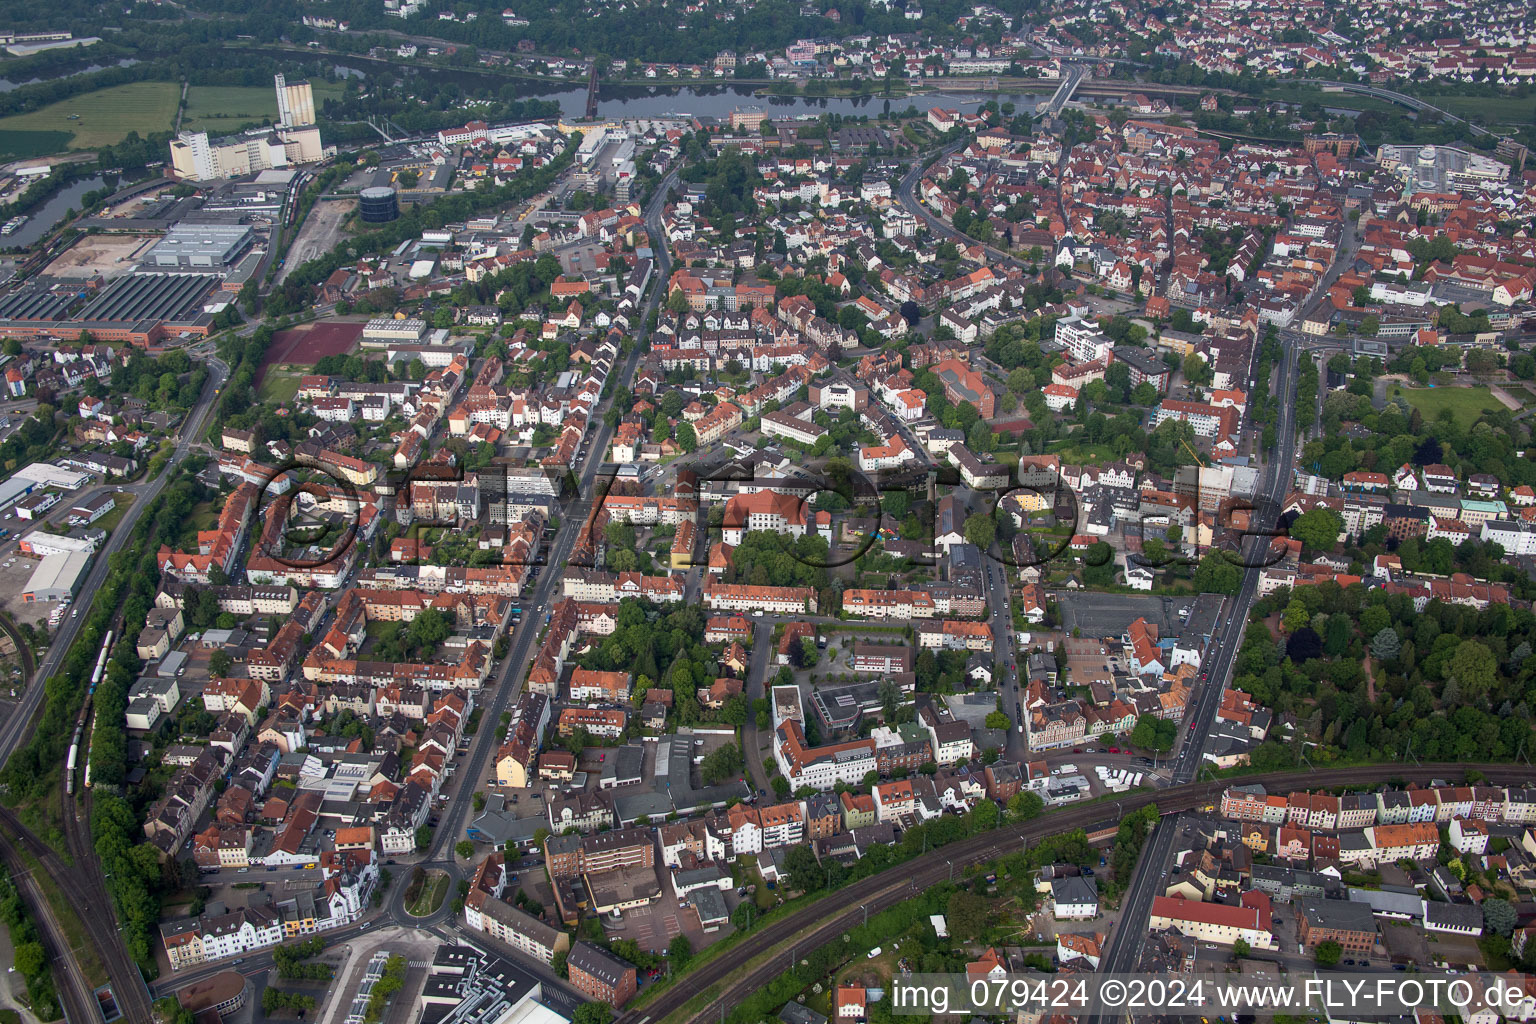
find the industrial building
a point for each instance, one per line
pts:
(381, 332)
(195, 158)
(205, 246)
(294, 140)
(1442, 168)
(56, 577)
(55, 476)
(139, 309)
(295, 103)
(378, 204)
(38, 474)
(35, 301)
(140, 297)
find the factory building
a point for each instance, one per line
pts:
(295, 103)
(56, 577)
(200, 246)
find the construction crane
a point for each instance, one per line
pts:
(1198, 457)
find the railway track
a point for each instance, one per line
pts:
(86, 895)
(75, 995)
(814, 926)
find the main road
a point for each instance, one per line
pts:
(81, 884)
(906, 194)
(546, 593)
(1126, 943)
(19, 725)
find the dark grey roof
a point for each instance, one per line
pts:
(599, 963)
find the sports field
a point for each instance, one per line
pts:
(304, 345)
(92, 119)
(1466, 404)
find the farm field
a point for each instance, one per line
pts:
(24, 145)
(223, 109)
(106, 116)
(1466, 404)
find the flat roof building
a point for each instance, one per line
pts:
(200, 246)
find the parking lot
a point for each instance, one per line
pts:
(15, 570)
(1110, 614)
(656, 925)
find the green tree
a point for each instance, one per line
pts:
(1474, 667)
(984, 816)
(464, 848)
(592, 1013)
(1386, 644)
(1025, 805)
(1318, 529)
(679, 952)
(1217, 575)
(721, 764)
(980, 530)
(1295, 616)
(30, 959)
(1499, 916)
(966, 914)
(1327, 953)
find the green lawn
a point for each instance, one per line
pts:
(109, 521)
(279, 386)
(204, 516)
(224, 109)
(1467, 404)
(431, 895)
(104, 117)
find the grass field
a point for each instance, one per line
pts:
(109, 521)
(279, 386)
(1291, 93)
(21, 145)
(1467, 404)
(1494, 109)
(204, 516)
(106, 116)
(222, 109)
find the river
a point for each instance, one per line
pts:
(6, 85)
(710, 100)
(42, 219)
